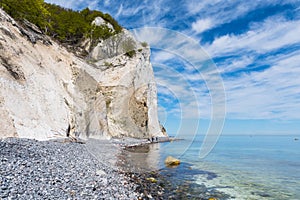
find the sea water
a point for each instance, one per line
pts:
(246, 167)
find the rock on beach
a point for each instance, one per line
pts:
(171, 161)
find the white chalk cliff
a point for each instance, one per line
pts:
(48, 92)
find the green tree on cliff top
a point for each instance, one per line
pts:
(63, 24)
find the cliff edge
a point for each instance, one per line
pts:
(46, 91)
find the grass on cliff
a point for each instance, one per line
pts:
(66, 25)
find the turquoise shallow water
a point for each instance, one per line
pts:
(246, 167)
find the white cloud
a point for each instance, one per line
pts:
(271, 94)
(162, 56)
(227, 11)
(199, 6)
(106, 2)
(184, 92)
(120, 11)
(236, 64)
(269, 35)
(202, 25)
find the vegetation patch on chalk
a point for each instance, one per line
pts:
(65, 25)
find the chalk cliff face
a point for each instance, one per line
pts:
(47, 92)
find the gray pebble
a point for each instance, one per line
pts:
(31, 169)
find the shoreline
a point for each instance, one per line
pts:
(165, 182)
(96, 169)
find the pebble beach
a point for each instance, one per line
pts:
(33, 169)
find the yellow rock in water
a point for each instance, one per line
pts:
(211, 198)
(153, 180)
(171, 161)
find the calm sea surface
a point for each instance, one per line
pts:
(246, 167)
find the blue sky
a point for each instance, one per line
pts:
(255, 47)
